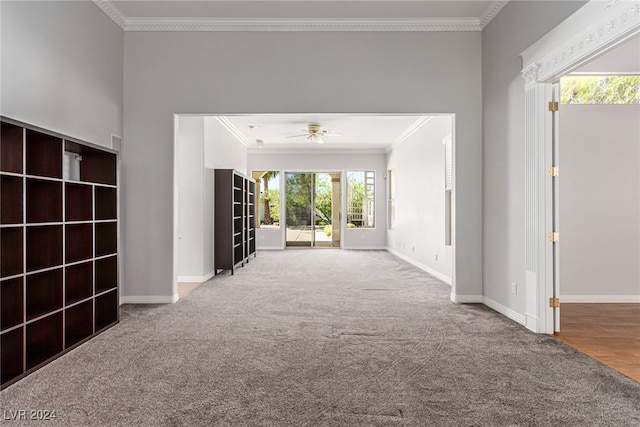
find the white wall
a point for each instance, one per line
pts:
(599, 186)
(253, 72)
(62, 68)
(203, 144)
(221, 149)
(191, 198)
(363, 238)
(517, 26)
(419, 229)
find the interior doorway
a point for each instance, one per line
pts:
(312, 209)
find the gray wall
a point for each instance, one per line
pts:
(419, 229)
(62, 68)
(599, 187)
(517, 26)
(232, 72)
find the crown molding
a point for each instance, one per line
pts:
(233, 130)
(491, 11)
(312, 151)
(408, 132)
(112, 12)
(288, 25)
(318, 25)
(612, 23)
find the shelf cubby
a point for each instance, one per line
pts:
(96, 166)
(106, 309)
(44, 201)
(44, 293)
(44, 339)
(11, 303)
(78, 282)
(11, 251)
(106, 203)
(78, 203)
(44, 247)
(11, 202)
(11, 148)
(78, 242)
(44, 154)
(78, 323)
(106, 274)
(106, 238)
(12, 357)
(58, 245)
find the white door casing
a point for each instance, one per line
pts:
(595, 28)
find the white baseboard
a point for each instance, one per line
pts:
(365, 248)
(148, 299)
(269, 248)
(603, 299)
(505, 311)
(195, 279)
(466, 299)
(431, 271)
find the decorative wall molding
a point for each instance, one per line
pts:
(195, 279)
(612, 23)
(393, 25)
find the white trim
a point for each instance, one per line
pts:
(408, 132)
(260, 24)
(232, 130)
(505, 311)
(532, 323)
(594, 28)
(603, 299)
(148, 299)
(364, 248)
(444, 278)
(490, 12)
(269, 248)
(466, 299)
(196, 279)
(311, 151)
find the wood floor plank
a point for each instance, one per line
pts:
(609, 333)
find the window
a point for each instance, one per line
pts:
(360, 199)
(600, 90)
(269, 201)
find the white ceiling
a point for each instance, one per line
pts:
(357, 132)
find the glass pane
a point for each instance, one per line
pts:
(360, 199)
(298, 192)
(325, 218)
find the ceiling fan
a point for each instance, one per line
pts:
(315, 133)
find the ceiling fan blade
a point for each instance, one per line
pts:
(297, 136)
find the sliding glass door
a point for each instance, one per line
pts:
(312, 209)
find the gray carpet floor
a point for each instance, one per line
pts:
(326, 338)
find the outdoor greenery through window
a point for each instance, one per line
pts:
(360, 199)
(600, 90)
(270, 199)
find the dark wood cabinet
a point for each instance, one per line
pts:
(234, 218)
(58, 245)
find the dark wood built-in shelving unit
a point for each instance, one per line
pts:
(58, 245)
(234, 211)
